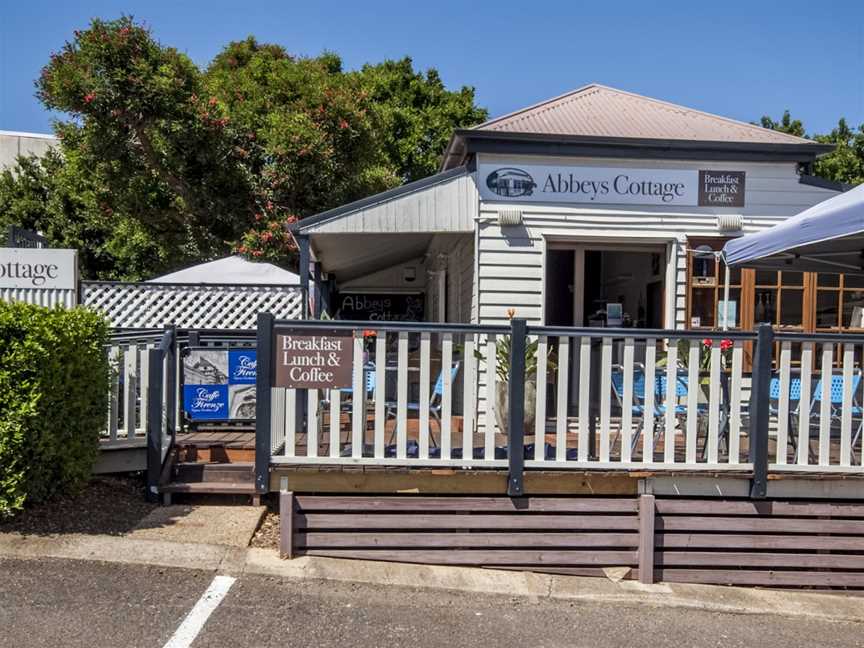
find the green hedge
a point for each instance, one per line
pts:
(53, 400)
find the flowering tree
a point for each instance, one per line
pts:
(143, 124)
(164, 163)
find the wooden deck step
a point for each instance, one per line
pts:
(209, 488)
(195, 472)
(210, 478)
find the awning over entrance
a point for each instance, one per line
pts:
(828, 237)
(349, 256)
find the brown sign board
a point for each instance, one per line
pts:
(721, 188)
(313, 359)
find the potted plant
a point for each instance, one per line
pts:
(502, 383)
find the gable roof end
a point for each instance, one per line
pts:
(599, 114)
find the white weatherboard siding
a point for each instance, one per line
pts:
(512, 259)
(449, 206)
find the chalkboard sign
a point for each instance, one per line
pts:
(381, 307)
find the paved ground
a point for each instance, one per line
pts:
(52, 602)
(216, 525)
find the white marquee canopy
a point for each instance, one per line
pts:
(828, 237)
(231, 270)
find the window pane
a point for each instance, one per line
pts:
(734, 308)
(791, 307)
(766, 278)
(704, 262)
(703, 307)
(827, 306)
(851, 299)
(793, 278)
(828, 280)
(853, 281)
(766, 306)
(734, 276)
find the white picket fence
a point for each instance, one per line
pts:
(816, 405)
(337, 428)
(126, 423)
(608, 400)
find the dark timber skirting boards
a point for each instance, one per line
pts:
(577, 535)
(791, 543)
(781, 543)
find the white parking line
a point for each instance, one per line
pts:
(198, 615)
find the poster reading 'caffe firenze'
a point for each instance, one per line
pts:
(219, 384)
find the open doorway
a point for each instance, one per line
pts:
(606, 285)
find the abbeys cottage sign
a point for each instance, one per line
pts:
(610, 185)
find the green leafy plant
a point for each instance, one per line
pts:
(502, 356)
(53, 400)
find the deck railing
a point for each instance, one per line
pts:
(631, 399)
(427, 397)
(128, 355)
(586, 398)
(815, 398)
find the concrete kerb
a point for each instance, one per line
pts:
(263, 562)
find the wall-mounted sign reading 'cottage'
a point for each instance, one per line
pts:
(313, 359)
(38, 268)
(535, 183)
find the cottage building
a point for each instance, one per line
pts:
(596, 207)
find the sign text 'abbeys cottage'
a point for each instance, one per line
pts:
(311, 360)
(610, 185)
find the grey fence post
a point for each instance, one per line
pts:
(303, 244)
(263, 383)
(171, 385)
(759, 410)
(154, 423)
(516, 408)
(647, 524)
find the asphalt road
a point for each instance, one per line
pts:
(73, 603)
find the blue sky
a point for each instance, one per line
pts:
(741, 59)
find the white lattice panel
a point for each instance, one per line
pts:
(146, 305)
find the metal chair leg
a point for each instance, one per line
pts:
(437, 418)
(857, 436)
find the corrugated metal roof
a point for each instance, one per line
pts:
(599, 111)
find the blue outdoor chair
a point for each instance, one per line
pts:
(836, 403)
(794, 400)
(345, 405)
(391, 407)
(639, 405)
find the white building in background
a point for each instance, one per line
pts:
(13, 144)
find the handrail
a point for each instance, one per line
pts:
(623, 333)
(392, 327)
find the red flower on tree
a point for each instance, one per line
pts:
(89, 97)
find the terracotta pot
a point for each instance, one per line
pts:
(502, 409)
